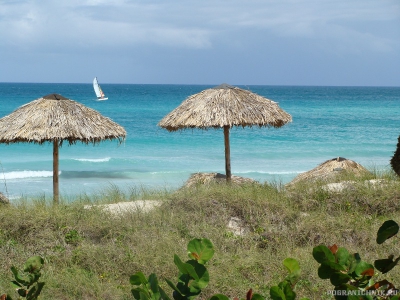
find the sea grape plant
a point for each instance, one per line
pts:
(27, 282)
(283, 291)
(352, 277)
(193, 275)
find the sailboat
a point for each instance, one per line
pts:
(97, 89)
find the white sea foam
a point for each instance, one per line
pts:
(27, 174)
(105, 159)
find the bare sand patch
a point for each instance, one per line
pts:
(126, 207)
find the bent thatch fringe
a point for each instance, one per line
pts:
(225, 105)
(331, 169)
(54, 117)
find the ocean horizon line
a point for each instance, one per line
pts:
(208, 84)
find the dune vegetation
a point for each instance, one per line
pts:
(91, 253)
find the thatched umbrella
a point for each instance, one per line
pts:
(225, 106)
(330, 169)
(54, 118)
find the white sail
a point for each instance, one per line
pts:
(98, 90)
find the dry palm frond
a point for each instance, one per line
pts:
(222, 106)
(209, 178)
(330, 169)
(54, 117)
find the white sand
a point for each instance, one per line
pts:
(124, 207)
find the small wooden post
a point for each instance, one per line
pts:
(227, 154)
(55, 171)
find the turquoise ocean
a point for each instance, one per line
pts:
(358, 123)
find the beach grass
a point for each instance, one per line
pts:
(90, 253)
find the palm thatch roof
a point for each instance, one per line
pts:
(209, 178)
(330, 169)
(54, 117)
(225, 105)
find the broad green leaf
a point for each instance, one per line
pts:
(138, 279)
(257, 297)
(292, 265)
(335, 266)
(324, 272)
(363, 267)
(183, 267)
(201, 250)
(173, 286)
(287, 290)
(164, 296)
(22, 292)
(322, 254)
(33, 264)
(342, 256)
(385, 265)
(338, 278)
(153, 283)
(135, 294)
(202, 276)
(387, 230)
(219, 297)
(23, 280)
(16, 284)
(276, 293)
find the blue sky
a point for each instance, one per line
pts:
(267, 42)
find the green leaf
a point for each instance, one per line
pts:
(16, 284)
(342, 256)
(22, 292)
(219, 297)
(354, 260)
(164, 296)
(172, 286)
(386, 231)
(322, 254)
(324, 272)
(363, 267)
(276, 293)
(33, 264)
(135, 294)
(293, 267)
(287, 290)
(33, 293)
(138, 279)
(202, 276)
(335, 266)
(181, 265)
(385, 265)
(257, 297)
(201, 250)
(338, 278)
(153, 283)
(23, 280)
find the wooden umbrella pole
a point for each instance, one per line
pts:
(227, 154)
(55, 171)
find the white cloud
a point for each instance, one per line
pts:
(192, 24)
